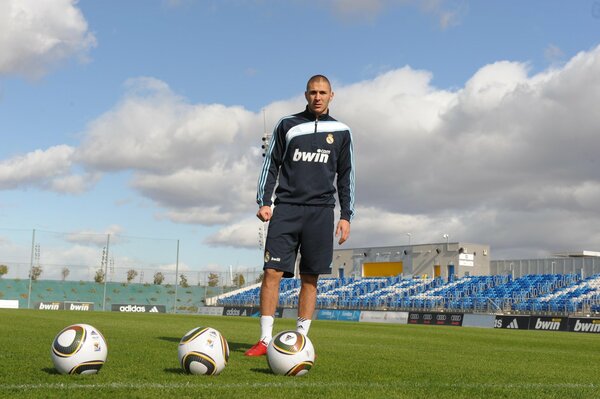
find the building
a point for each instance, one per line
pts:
(445, 259)
(585, 263)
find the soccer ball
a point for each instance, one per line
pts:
(290, 353)
(79, 349)
(203, 350)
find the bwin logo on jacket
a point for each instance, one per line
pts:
(318, 156)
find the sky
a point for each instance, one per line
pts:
(143, 119)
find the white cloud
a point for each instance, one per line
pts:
(96, 238)
(73, 184)
(510, 159)
(242, 234)
(50, 169)
(36, 35)
(154, 130)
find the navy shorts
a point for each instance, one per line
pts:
(300, 227)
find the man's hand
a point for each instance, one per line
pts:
(342, 230)
(264, 213)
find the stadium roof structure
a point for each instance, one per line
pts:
(577, 254)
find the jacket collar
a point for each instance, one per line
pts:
(311, 116)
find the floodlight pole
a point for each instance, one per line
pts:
(31, 269)
(105, 272)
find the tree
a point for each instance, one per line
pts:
(35, 272)
(65, 273)
(159, 278)
(3, 270)
(99, 277)
(213, 279)
(131, 274)
(239, 280)
(183, 281)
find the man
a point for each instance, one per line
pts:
(308, 151)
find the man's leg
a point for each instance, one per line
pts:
(307, 301)
(269, 291)
(269, 298)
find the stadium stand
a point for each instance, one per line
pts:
(541, 293)
(573, 296)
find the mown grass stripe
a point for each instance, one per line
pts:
(297, 384)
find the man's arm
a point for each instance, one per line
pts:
(345, 179)
(270, 168)
(343, 231)
(264, 213)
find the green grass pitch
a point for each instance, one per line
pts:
(355, 360)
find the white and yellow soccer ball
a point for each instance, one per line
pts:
(79, 349)
(290, 353)
(203, 351)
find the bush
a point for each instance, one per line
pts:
(131, 274)
(3, 270)
(100, 275)
(159, 278)
(183, 281)
(35, 272)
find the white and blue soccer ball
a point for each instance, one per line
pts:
(290, 353)
(79, 349)
(203, 351)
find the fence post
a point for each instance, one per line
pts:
(30, 269)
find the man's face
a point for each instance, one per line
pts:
(318, 96)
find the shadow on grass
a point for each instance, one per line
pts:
(239, 346)
(262, 371)
(50, 370)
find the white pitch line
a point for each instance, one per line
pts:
(294, 384)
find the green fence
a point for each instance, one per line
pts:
(179, 299)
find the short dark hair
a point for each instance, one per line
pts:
(317, 78)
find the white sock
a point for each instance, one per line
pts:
(303, 325)
(266, 328)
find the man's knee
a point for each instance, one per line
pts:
(309, 279)
(271, 277)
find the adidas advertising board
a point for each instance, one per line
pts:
(512, 322)
(132, 308)
(548, 323)
(247, 312)
(436, 319)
